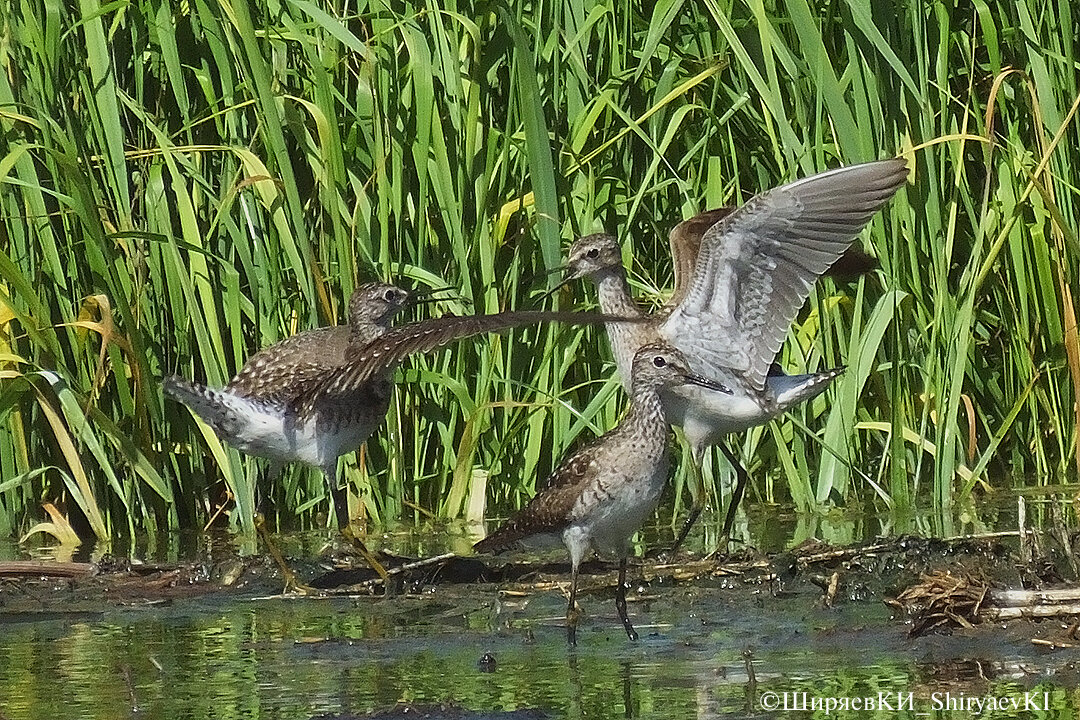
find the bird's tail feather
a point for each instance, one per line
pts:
(211, 405)
(791, 390)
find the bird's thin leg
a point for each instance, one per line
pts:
(274, 469)
(697, 490)
(572, 613)
(620, 601)
(341, 511)
(741, 478)
(292, 583)
(338, 495)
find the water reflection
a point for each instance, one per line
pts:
(767, 528)
(708, 650)
(710, 654)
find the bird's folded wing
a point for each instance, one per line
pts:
(551, 509)
(755, 267)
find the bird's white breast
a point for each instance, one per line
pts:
(706, 415)
(612, 512)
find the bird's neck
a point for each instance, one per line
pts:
(365, 330)
(614, 294)
(646, 418)
(615, 299)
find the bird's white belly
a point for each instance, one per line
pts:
(335, 442)
(706, 415)
(267, 434)
(255, 428)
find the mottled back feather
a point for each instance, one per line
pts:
(295, 361)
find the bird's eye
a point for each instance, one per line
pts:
(593, 254)
(390, 295)
(659, 361)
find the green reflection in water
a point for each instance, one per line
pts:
(231, 657)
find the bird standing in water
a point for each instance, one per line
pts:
(603, 493)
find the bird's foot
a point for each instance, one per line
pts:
(293, 584)
(349, 534)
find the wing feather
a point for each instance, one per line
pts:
(756, 266)
(379, 357)
(685, 242)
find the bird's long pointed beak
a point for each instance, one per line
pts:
(422, 297)
(691, 379)
(568, 277)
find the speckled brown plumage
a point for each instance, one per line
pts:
(602, 493)
(550, 510)
(634, 451)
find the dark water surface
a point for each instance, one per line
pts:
(726, 648)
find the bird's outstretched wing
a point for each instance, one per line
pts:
(756, 266)
(374, 360)
(685, 241)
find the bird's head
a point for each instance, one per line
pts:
(592, 255)
(376, 302)
(659, 365)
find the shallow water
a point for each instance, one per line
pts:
(714, 649)
(238, 656)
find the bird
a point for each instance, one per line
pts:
(600, 495)
(320, 394)
(242, 411)
(741, 275)
(248, 412)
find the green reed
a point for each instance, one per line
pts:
(184, 183)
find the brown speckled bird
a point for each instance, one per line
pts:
(603, 493)
(740, 278)
(250, 411)
(318, 395)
